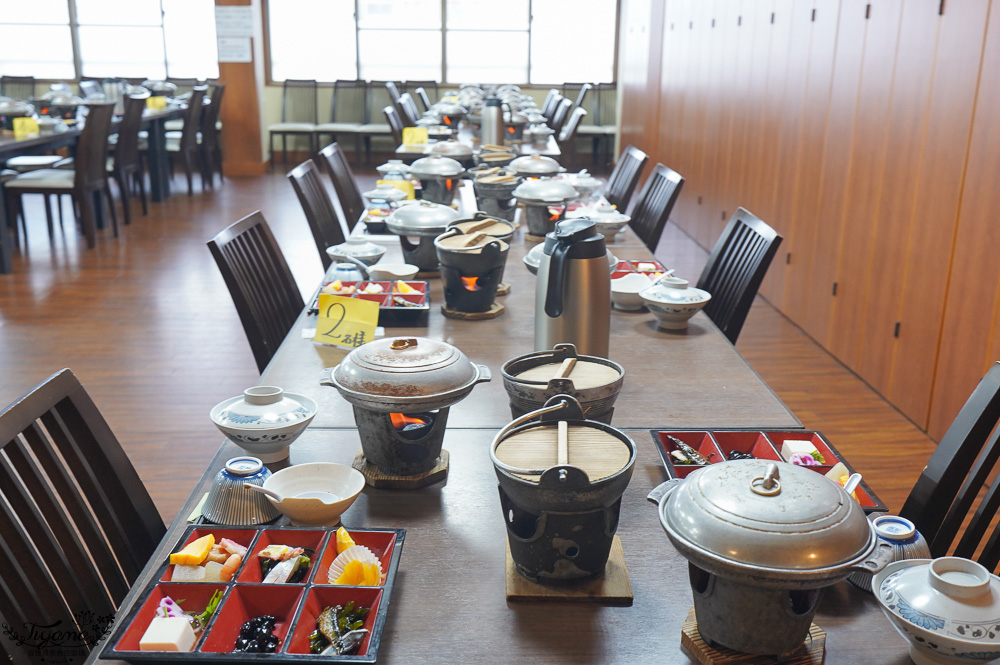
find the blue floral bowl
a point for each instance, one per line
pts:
(264, 420)
(948, 609)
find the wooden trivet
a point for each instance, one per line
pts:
(379, 479)
(428, 274)
(503, 289)
(495, 310)
(613, 588)
(812, 651)
(533, 238)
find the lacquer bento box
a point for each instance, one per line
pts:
(400, 303)
(288, 579)
(807, 448)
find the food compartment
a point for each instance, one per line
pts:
(347, 289)
(381, 543)
(243, 537)
(624, 267)
(829, 457)
(249, 602)
(304, 538)
(754, 443)
(647, 266)
(419, 287)
(386, 288)
(702, 442)
(192, 599)
(381, 298)
(321, 597)
(413, 313)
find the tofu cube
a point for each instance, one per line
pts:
(791, 447)
(168, 634)
(186, 573)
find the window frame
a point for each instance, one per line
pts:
(269, 80)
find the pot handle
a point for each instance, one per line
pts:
(663, 490)
(484, 374)
(880, 557)
(326, 377)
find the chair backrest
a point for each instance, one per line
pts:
(656, 200)
(549, 105)
(582, 95)
(950, 488)
(559, 117)
(390, 86)
(90, 89)
(348, 101)
(568, 133)
(184, 84)
(344, 185)
(324, 222)
(395, 121)
(92, 148)
(298, 101)
(210, 118)
(192, 118)
(735, 270)
(127, 147)
(17, 87)
(429, 87)
(424, 99)
(263, 288)
(379, 96)
(408, 112)
(78, 524)
(624, 177)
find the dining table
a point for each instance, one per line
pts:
(448, 602)
(412, 151)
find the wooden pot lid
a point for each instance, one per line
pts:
(469, 243)
(584, 373)
(489, 226)
(597, 452)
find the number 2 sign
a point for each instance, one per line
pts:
(346, 322)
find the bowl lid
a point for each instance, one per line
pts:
(534, 165)
(423, 217)
(385, 192)
(356, 246)
(263, 407)
(404, 367)
(394, 166)
(671, 295)
(727, 512)
(584, 179)
(545, 191)
(436, 165)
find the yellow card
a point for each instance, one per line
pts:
(402, 185)
(346, 322)
(157, 103)
(24, 127)
(414, 135)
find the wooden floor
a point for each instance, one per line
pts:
(147, 324)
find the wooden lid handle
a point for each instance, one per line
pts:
(566, 368)
(562, 443)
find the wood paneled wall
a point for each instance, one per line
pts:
(866, 133)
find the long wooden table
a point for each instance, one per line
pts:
(448, 604)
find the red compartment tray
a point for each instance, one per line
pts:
(294, 606)
(763, 444)
(391, 310)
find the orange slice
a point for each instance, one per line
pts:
(344, 540)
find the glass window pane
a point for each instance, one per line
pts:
(511, 68)
(118, 12)
(122, 51)
(591, 23)
(20, 55)
(401, 14)
(322, 48)
(189, 35)
(36, 11)
(479, 15)
(400, 55)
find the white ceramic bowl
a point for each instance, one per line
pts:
(230, 503)
(388, 272)
(344, 483)
(264, 420)
(625, 291)
(355, 247)
(947, 609)
(673, 306)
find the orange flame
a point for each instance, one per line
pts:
(447, 184)
(470, 283)
(447, 120)
(400, 420)
(510, 130)
(554, 214)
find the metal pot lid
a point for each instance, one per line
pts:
(422, 217)
(430, 120)
(726, 512)
(449, 108)
(535, 165)
(436, 166)
(453, 148)
(405, 367)
(584, 179)
(545, 191)
(15, 106)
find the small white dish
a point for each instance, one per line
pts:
(625, 291)
(388, 272)
(338, 485)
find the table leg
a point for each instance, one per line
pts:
(159, 172)
(6, 239)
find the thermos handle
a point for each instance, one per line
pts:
(557, 280)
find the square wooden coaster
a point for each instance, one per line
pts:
(613, 588)
(812, 651)
(375, 477)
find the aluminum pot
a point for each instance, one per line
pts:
(494, 189)
(425, 220)
(538, 196)
(762, 540)
(439, 178)
(535, 166)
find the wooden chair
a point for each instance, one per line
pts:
(347, 113)
(624, 177)
(735, 270)
(656, 200)
(581, 92)
(430, 89)
(263, 288)
(78, 524)
(379, 95)
(396, 124)
(185, 143)
(407, 108)
(548, 106)
(210, 143)
(88, 178)
(601, 132)
(91, 90)
(424, 99)
(299, 113)
(17, 87)
(324, 221)
(560, 116)
(955, 493)
(567, 137)
(126, 164)
(393, 91)
(349, 199)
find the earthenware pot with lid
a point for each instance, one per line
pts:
(423, 219)
(538, 135)
(762, 540)
(535, 166)
(482, 222)
(452, 149)
(394, 169)
(544, 203)
(439, 177)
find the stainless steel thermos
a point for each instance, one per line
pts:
(492, 122)
(573, 293)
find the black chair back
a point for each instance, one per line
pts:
(324, 222)
(548, 106)
(344, 186)
(624, 177)
(263, 288)
(735, 270)
(655, 203)
(299, 101)
(127, 147)
(424, 99)
(568, 133)
(559, 117)
(91, 161)
(395, 123)
(90, 89)
(192, 119)
(348, 102)
(408, 112)
(429, 88)
(210, 133)
(393, 91)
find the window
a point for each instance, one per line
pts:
(514, 41)
(122, 38)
